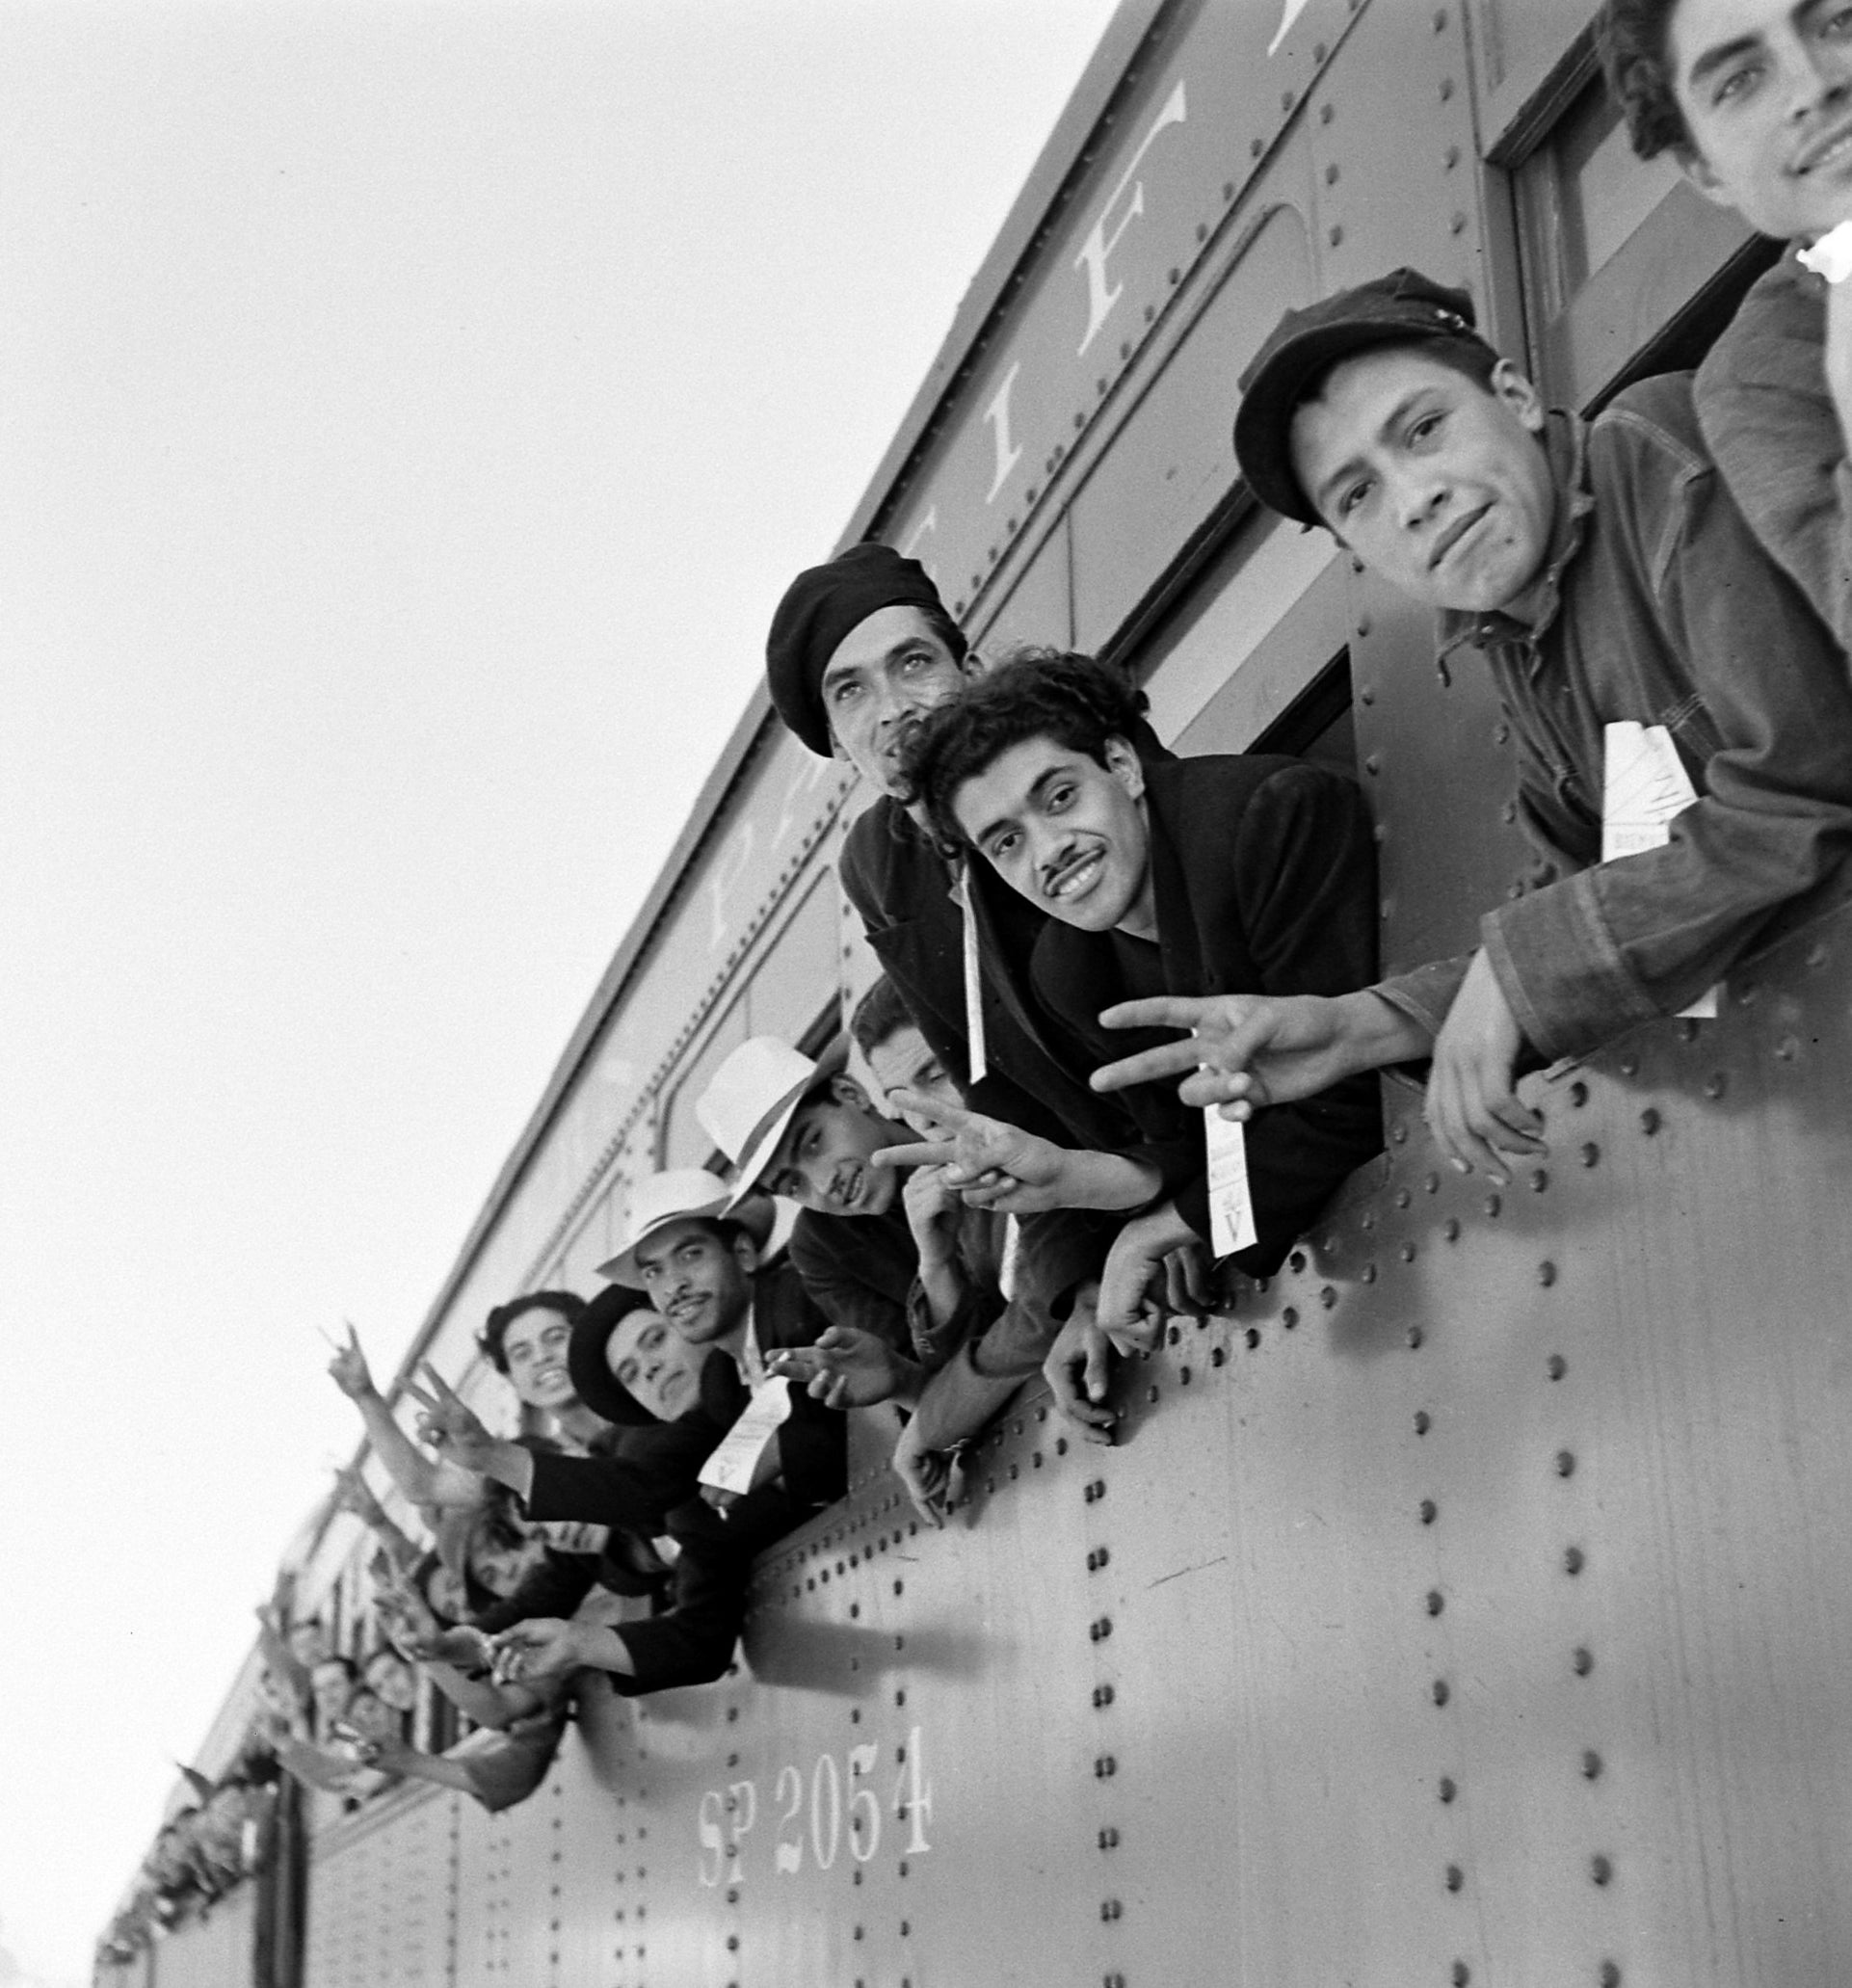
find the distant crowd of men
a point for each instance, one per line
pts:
(1130, 1015)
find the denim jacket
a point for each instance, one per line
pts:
(1769, 423)
(1657, 605)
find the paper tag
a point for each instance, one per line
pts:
(1643, 788)
(736, 1456)
(973, 980)
(1230, 1204)
(1831, 257)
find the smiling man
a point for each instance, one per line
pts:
(1754, 98)
(1246, 873)
(860, 649)
(1608, 581)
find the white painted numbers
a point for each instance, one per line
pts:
(815, 1818)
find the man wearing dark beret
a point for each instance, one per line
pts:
(859, 650)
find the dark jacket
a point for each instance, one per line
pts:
(1658, 606)
(1263, 872)
(901, 886)
(858, 1269)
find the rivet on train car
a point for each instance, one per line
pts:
(1502, 734)
(1456, 1877)
(1414, 1338)
(906, 1928)
(1201, 230)
(1493, 1206)
(1255, 147)
(1336, 235)
(1546, 1274)
(1328, 1296)
(1440, 20)
(1439, 1691)
(1555, 1367)
(1581, 1662)
(732, 1943)
(1036, 1458)
(1109, 1838)
(1112, 1981)
(1407, 1253)
(1458, 222)
(1446, 89)
(1285, 99)
(1060, 1446)
(1591, 1766)
(1429, 1511)
(1650, 1121)
(1565, 1463)
(1363, 624)
(1450, 1228)
(1423, 1421)
(1435, 1600)
(1297, 1260)
(1368, 1221)
(1369, 1273)
(1366, 696)
(1183, 1375)
(898, 1587)
(1461, 1976)
(1151, 312)
(1573, 1560)
(1254, 1339)
(1600, 1868)
(1124, 349)
(1610, 1976)
(1218, 1356)
(1105, 1767)
(1716, 1084)
(1319, 51)
(1331, 173)
(1289, 1318)
(1175, 1333)
(1445, 1788)
(854, 1612)
(1110, 1909)
(1787, 1048)
(1099, 1629)
(1102, 1697)
(1326, 112)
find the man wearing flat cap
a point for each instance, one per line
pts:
(859, 650)
(1644, 645)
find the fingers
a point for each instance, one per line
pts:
(1071, 1379)
(1159, 1011)
(955, 1118)
(1148, 1066)
(929, 1153)
(441, 1386)
(1239, 1093)
(1477, 1121)
(427, 1402)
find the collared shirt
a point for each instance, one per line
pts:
(1769, 422)
(1658, 607)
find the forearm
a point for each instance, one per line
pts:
(1106, 1180)
(433, 1767)
(488, 1705)
(416, 1475)
(1393, 1021)
(942, 1289)
(602, 1647)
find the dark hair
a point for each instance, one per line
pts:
(880, 1014)
(1630, 37)
(1032, 693)
(568, 1304)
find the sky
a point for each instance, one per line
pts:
(408, 417)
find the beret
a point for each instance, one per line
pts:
(819, 608)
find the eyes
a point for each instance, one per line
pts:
(1741, 79)
(908, 665)
(1055, 799)
(686, 1256)
(1419, 435)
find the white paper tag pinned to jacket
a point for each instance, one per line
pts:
(735, 1457)
(975, 1052)
(1643, 788)
(1230, 1204)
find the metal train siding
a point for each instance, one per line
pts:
(1469, 1606)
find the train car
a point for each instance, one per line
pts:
(1462, 1605)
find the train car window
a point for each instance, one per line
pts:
(1318, 725)
(786, 995)
(1254, 642)
(1626, 271)
(684, 1142)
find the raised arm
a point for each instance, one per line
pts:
(420, 1479)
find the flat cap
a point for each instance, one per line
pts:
(819, 608)
(1402, 307)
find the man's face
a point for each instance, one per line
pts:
(1437, 484)
(698, 1278)
(308, 1642)
(370, 1716)
(331, 1687)
(535, 1347)
(501, 1561)
(886, 673)
(659, 1368)
(908, 1062)
(824, 1160)
(1065, 831)
(1765, 89)
(391, 1680)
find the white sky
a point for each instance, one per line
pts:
(408, 416)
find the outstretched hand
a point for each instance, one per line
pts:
(990, 1163)
(1243, 1050)
(544, 1646)
(846, 1368)
(348, 1369)
(449, 1424)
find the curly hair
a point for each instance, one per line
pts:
(1630, 37)
(1032, 693)
(492, 1342)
